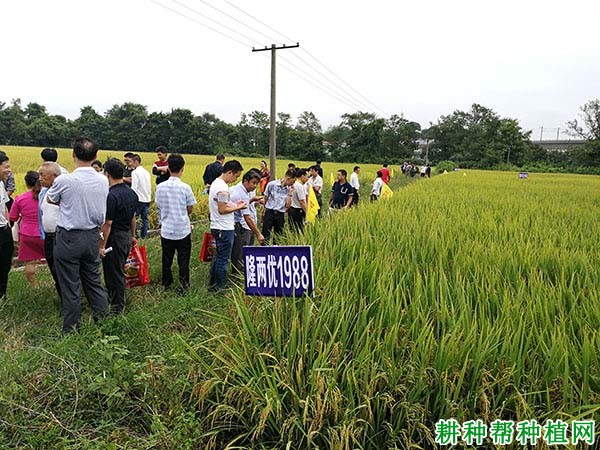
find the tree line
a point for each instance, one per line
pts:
(477, 138)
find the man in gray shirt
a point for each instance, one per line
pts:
(82, 199)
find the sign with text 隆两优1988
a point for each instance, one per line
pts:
(279, 271)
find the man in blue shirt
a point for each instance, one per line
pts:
(174, 202)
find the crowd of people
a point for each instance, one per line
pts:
(93, 216)
(410, 169)
(75, 222)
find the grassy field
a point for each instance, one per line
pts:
(470, 295)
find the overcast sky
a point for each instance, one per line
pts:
(537, 61)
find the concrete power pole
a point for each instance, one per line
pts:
(272, 133)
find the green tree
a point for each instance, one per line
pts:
(399, 140)
(284, 135)
(156, 131)
(126, 122)
(363, 137)
(90, 123)
(259, 124)
(307, 121)
(588, 127)
(478, 138)
(181, 123)
(48, 130)
(14, 126)
(34, 111)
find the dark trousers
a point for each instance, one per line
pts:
(243, 237)
(142, 219)
(355, 198)
(320, 202)
(273, 221)
(6, 252)
(49, 243)
(296, 219)
(112, 264)
(220, 263)
(77, 263)
(184, 250)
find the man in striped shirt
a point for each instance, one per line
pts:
(175, 201)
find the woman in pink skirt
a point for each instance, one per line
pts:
(25, 209)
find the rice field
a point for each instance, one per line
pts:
(471, 295)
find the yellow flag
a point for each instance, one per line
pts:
(386, 192)
(313, 206)
(331, 179)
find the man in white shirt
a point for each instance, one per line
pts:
(6, 240)
(142, 186)
(299, 204)
(222, 222)
(355, 184)
(377, 186)
(48, 214)
(245, 219)
(316, 182)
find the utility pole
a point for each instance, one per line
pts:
(272, 135)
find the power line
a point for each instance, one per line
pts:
(195, 11)
(342, 96)
(325, 77)
(343, 81)
(179, 13)
(307, 80)
(352, 97)
(259, 21)
(349, 101)
(250, 27)
(355, 99)
(308, 53)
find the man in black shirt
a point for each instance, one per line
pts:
(161, 166)
(213, 171)
(127, 159)
(341, 192)
(118, 232)
(319, 168)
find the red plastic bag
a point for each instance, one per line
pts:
(136, 267)
(209, 247)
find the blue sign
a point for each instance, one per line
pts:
(279, 271)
